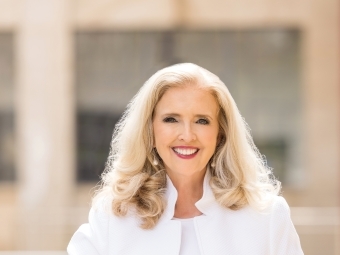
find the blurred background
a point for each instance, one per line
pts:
(69, 68)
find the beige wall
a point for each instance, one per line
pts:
(46, 146)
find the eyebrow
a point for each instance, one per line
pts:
(178, 115)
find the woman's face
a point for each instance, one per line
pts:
(186, 128)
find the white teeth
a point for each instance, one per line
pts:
(185, 151)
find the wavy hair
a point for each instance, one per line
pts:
(240, 176)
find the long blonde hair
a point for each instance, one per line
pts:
(240, 176)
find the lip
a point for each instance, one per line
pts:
(185, 156)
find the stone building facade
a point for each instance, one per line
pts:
(280, 59)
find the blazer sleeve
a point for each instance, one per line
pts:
(92, 238)
(284, 239)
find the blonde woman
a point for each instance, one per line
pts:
(184, 177)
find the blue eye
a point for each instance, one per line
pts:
(203, 121)
(169, 119)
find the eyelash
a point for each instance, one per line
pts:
(205, 121)
(170, 119)
(173, 120)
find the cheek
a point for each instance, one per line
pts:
(162, 134)
(212, 134)
(210, 139)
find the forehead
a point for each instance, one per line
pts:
(188, 98)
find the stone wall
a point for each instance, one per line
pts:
(45, 205)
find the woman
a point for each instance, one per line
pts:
(184, 177)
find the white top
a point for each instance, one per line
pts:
(219, 231)
(189, 243)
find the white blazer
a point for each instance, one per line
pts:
(220, 231)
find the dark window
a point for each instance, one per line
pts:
(7, 171)
(94, 136)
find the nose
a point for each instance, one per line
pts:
(187, 134)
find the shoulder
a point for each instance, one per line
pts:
(95, 237)
(279, 203)
(102, 205)
(91, 238)
(274, 211)
(279, 208)
(273, 205)
(283, 235)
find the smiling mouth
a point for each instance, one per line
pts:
(185, 152)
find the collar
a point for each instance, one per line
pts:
(206, 204)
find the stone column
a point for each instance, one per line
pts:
(45, 123)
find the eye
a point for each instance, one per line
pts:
(203, 121)
(169, 119)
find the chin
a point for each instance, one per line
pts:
(187, 173)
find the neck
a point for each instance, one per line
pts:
(190, 190)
